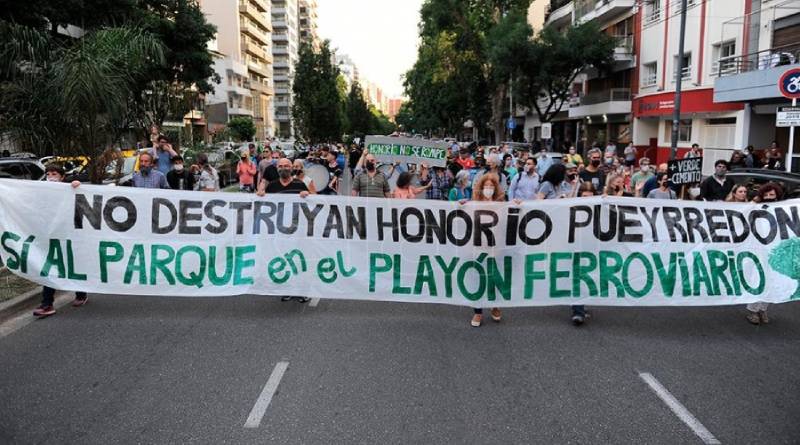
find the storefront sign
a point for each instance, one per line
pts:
(692, 101)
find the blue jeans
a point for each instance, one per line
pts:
(48, 296)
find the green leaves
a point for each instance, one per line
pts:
(317, 109)
(242, 128)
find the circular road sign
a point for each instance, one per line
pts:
(789, 84)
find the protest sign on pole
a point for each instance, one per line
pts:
(407, 150)
(594, 251)
(685, 171)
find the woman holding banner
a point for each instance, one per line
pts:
(769, 192)
(487, 188)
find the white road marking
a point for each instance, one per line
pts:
(260, 408)
(314, 302)
(678, 408)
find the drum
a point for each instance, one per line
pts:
(319, 174)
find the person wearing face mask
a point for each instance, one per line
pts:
(509, 168)
(592, 173)
(738, 194)
(644, 174)
(179, 178)
(147, 176)
(55, 173)
(164, 154)
(207, 179)
(369, 182)
(560, 181)
(630, 155)
(525, 186)
(663, 191)
(267, 168)
(717, 186)
(299, 172)
(767, 193)
(487, 189)
(246, 170)
(464, 159)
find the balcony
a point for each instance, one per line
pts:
(612, 101)
(258, 68)
(280, 37)
(262, 88)
(753, 76)
(260, 17)
(280, 50)
(253, 49)
(560, 13)
(256, 33)
(603, 10)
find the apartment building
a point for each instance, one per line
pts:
(748, 68)
(286, 45)
(245, 68)
(307, 22)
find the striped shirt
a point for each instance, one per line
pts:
(368, 186)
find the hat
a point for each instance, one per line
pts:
(570, 165)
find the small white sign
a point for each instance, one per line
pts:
(788, 117)
(547, 131)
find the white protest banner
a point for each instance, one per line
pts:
(407, 150)
(594, 251)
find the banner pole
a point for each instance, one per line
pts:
(790, 150)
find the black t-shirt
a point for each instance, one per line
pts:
(292, 188)
(597, 178)
(180, 181)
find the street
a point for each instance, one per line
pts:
(127, 369)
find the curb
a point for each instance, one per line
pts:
(18, 303)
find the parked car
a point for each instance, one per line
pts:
(72, 165)
(754, 178)
(20, 168)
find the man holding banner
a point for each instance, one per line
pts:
(370, 183)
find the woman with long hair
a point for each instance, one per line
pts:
(737, 194)
(404, 189)
(560, 181)
(616, 186)
(487, 189)
(662, 191)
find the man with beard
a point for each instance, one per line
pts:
(717, 186)
(370, 183)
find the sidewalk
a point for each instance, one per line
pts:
(12, 286)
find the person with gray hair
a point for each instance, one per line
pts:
(461, 189)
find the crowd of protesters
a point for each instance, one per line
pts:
(471, 173)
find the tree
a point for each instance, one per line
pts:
(68, 96)
(242, 128)
(359, 117)
(552, 61)
(405, 119)
(317, 110)
(380, 123)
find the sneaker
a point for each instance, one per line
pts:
(44, 311)
(763, 316)
(753, 318)
(78, 302)
(578, 319)
(286, 298)
(303, 299)
(476, 320)
(496, 315)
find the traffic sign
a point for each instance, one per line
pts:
(512, 123)
(685, 171)
(789, 84)
(787, 117)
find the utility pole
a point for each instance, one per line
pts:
(676, 116)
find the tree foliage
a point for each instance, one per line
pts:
(317, 110)
(359, 117)
(548, 66)
(67, 97)
(242, 128)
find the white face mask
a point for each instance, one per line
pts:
(694, 192)
(53, 179)
(178, 167)
(488, 192)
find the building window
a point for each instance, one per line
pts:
(724, 57)
(653, 11)
(686, 72)
(649, 74)
(684, 131)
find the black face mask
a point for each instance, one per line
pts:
(571, 177)
(297, 172)
(595, 163)
(370, 166)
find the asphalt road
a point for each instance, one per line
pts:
(172, 370)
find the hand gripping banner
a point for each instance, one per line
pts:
(594, 251)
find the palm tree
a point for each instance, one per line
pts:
(71, 96)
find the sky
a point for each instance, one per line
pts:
(381, 36)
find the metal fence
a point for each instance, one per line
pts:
(761, 60)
